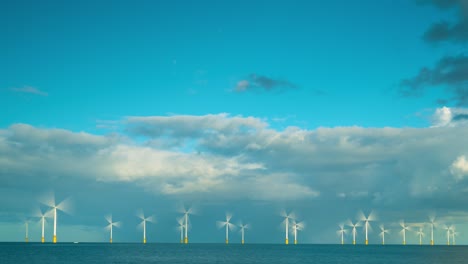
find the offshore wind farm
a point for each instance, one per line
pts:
(330, 131)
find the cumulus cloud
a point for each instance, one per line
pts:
(459, 168)
(29, 90)
(446, 116)
(260, 82)
(450, 72)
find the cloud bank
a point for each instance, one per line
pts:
(263, 83)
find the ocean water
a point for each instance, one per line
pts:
(220, 253)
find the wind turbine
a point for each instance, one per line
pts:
(27, 231)
(297, 226)
(63, 206)
(354, 225)
(286, 221)
(382, 233)
(226, 224)
(432, 222)
(453, 236)
(111, 224)
(181, 228)
(186, 213)
(341, 233)
(366, 220)
(403, 230)
(420, 234)
(242, 228)
(448, 228)
(144, 219)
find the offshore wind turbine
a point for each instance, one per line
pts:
(366, 220)
(144, 219)
(448, 228)
(186, 213)
(297, 226)
(453, 236)
(404, 228)
(226, 224)
(420, 233)
(63, 206)
(287, 217)
(341, 232)
(382, 233)
(432, 223)
(181, 229)
(111, 224)
(354, 225)
(242, 229)
(26, 238)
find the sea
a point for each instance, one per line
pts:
(232, 253)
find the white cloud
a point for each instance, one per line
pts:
(29, 90)
(459, 168)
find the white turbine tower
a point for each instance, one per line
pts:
(404, 228)
(354, 226)
(63, 206)
(295, 227)
(420, 233)
(242, 229)
(144, 219)
(433, 224)
(186, 213)
(448, 228)
(383, 231)
(366, 220)
(226, 224)
(341, 232)
(453, 236)
(287, 217)
(181, 228)
(26, 238)
(110, 225)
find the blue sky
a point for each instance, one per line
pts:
(234, 101)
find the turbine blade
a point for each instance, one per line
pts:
(220, 224)
(65, 206)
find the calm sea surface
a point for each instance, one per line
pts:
(220, 253)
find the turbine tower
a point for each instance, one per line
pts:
(63, 206)
(242, 229)
(226, 224)
(286, 221)
(420, 234)
(382, 233)
(341, 233)
(111, 224)
(448, 228)
(144, 219)
(433, 224)
(27, 232)
(297, 226)
(354, 226)
(366, 220)
(181, 229)
(403, 230)
(186, 213)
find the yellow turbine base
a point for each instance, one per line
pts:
(404, 243)
(42, 240)
(432, 242)
(286, 241)
(186, 240)
(295, 242)
(354, 242)
(54, 239)
(26, 240)
(367, 242)
(383, 243)
(110, 241)
(144, 241)
(227, 241)
(242, 242)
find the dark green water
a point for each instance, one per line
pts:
(220, 253)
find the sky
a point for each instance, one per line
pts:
(321, 108)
